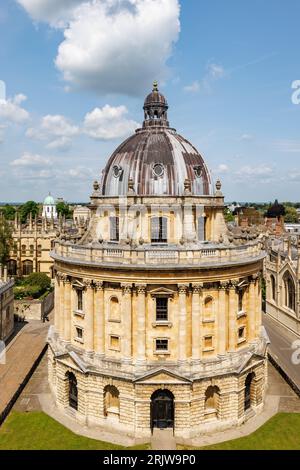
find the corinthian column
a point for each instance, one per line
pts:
(196, 321)
(233, 309)
(99, 319)
(141, 323)
(126, 343)
(67, 311)
(61, 315)
(222, 318)
(182, 291)
(252, 310)
(56, 302)
(89, 316)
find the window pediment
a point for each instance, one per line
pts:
(162, 291)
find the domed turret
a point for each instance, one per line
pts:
(156, 159)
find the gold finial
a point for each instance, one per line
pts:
(155, 85)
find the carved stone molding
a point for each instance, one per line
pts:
(88, 283)
(224, 285)
(197, 288)
(99, 285)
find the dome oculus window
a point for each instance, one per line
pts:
(158, 170)
(117, 171)
(198, 171)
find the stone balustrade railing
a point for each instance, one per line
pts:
(156, 256)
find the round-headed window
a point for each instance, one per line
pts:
(117, 170)
(198, 171)
(158, 169)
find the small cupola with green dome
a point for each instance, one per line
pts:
(49, 208)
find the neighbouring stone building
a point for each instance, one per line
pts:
(283, 281)
(158, 305)
(6, 305)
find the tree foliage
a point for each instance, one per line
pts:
(291, 215)
(64, 209)
(6, 240)
(27, 208)
(9, 212)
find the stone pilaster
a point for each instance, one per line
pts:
(252, 311)
(127, 318)
(99, 319)
(61, 316)
(222, 313)
(182, 292)
(233, 309)
(56, 302)
(141, 322)
(196, 321)
(89, 316)
(67, 311)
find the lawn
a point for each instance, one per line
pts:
(282, 432)
(37, 431)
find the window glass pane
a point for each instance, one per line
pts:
(114, 229)
(161, 309)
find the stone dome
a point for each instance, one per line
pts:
(155, 161)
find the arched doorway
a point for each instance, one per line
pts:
(73, 391)
(162, 409)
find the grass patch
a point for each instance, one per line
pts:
(37, 431)
(282, 432)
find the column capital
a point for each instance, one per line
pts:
(127, 288)
(234, 284)
(88, 283)
(197, 288)
(141, 289)
(182, 289)
(224, 285)
(99, 285)
(255, 277)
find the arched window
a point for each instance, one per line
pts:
(208, 307)
(114, 229)
(73, 391)
(31, 248)
(114, 309)
(248, 390)
(273, 287)
(289, 291)
(212, 398)
(159, 229)
(39, 250)
(12, 267)
(27, 267)
(111, 401)
(23, 248)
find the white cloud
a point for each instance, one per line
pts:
(30, 160)
(108, 123)
(246, 137)
(193, 88)
(56, 129)
(222, 169)
(287, 146)
(213, 73)
(11, 110)
(55, 12)
(255, 172)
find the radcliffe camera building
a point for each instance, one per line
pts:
(158, 305)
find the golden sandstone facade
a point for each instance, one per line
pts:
(158, 306)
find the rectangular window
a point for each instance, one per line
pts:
(79, 300)
(159, 227)
(79, 333)
(162, 344)
(115, 343)
(241, 295)
(208, 342)
(114, 229)
(161, 309)
(201, 228)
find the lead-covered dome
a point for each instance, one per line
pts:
(155, 161)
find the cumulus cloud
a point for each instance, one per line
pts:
(260, 172)
(30, 160)
(55, 12)
(108, 123)
(222, 169)
(116, 46)
(11, 110)
(57, 130)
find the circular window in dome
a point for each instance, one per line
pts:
(198, 171)
(117, 171)
(158, 169)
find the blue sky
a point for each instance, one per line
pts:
(76, 75)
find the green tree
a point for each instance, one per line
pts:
(291, 215)
(9, 212)
(6, 240)
(228, 215)
(63, 209)
(27, 208)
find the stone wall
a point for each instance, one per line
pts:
(34, 309)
